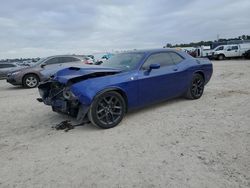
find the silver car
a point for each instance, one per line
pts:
(30, 77)
(6, 68)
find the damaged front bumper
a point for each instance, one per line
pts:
(61, 99)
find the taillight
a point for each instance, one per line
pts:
(85, 61)
(88, 62)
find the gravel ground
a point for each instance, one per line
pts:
(178, 143)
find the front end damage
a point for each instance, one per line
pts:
(58, 93)
(61, 99)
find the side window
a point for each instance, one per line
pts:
(72, 59)
(11, 65)
(6, 65)
(164, 59)
(62, 59)
(67, 59)
(176, 58)
(52, 61)
(234, 47)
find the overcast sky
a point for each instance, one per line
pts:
(31, 28)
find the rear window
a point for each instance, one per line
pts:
(176, 58)
(234, 47)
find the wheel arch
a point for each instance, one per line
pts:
(201, 73)
(118, 90)
(221, 54)
(31, 73)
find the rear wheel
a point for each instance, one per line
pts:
(196, 87)
(107, 110)
(30, 81)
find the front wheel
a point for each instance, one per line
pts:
(107, 110)
(30, 81)
(221, 57)
(196, 87)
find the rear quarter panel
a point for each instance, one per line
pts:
(197, 65)
(205, 65)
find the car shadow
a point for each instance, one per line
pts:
(148, 108)
(89, 127)
(15, 88)
(153, 106)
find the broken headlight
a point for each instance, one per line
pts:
(67, 94)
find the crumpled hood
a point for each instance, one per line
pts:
(50, 70)
(82, 72)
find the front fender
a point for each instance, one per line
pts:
(87, 94)
(86, 90)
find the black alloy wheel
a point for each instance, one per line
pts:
(107, 110)
(196, 89)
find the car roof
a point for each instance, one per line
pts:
(152, 50)
(77, 56)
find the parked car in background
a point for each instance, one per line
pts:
(29, 77)
(103, 94)
(50, 70)
(89, 60)
(204, 51)
(6, 68)
(100, 58)
(228, 51)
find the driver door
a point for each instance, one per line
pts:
(159, 84)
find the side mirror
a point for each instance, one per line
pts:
(154, 66)
(43, 65)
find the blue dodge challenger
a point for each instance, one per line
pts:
(102, 94)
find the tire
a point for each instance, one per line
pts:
(196, 87)
(107, 110)
(221, 57)
(30, 81)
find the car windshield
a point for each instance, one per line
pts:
(219, 48)
(124, 61)
(40, 61)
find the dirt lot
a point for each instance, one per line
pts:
(179, 143)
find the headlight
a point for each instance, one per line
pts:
(67, 94)
(15, 73)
